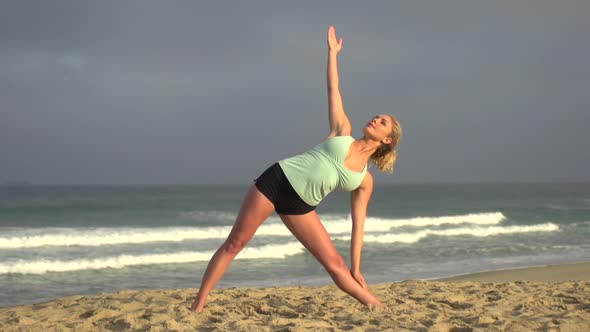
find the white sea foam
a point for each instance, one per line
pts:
(491, 218)
(44, 265)
(472, 231)
(114, 236)
(30, 238)
(276, 251)
(110, 236)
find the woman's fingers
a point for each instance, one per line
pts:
(360, 279)
(333, 42)
(362, 282)
(331, 35)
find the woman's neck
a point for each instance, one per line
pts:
(365, 147)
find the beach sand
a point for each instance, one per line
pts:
(552, 298)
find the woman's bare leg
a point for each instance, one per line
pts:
(255, 209)
(308, 229)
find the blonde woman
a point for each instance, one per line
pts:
(293, 187)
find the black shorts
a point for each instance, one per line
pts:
(276, 187)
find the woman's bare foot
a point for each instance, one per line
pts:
(196, 307)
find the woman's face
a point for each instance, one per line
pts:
(379, 128)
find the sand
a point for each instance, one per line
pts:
(553, 298)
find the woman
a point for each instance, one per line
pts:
(294, 186)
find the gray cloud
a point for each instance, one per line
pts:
(154, 92)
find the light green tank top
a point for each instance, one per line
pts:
(319, 171)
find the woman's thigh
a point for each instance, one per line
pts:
(254, 211)
(308, 229)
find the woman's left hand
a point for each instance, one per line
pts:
(334, 44)
(359, 278)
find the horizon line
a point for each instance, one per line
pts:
(503, 182)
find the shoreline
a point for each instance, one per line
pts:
(547, 273)
(553, 297)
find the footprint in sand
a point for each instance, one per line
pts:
(457, 305)
(287, 312)
(120, 325)
(493, 296)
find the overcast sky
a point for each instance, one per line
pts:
(192, 92)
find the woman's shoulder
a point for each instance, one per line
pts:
(341, 137)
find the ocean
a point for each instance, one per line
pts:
(57, 241)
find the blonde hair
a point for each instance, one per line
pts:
(386, 155)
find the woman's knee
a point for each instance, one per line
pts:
(233, 246)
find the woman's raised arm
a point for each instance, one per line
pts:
(339, 123)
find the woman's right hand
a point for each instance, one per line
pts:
(334, 44)
(359, 278)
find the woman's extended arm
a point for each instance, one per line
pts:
(359, 201)
(339, 123)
